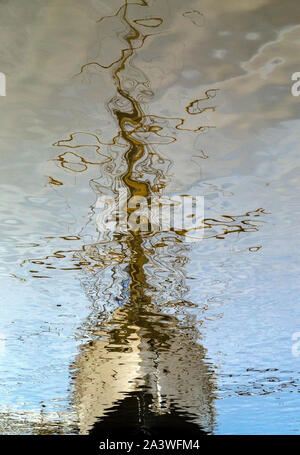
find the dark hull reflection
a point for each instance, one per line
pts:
(133, 419)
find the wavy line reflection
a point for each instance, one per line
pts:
(143, 357)
(137, 351)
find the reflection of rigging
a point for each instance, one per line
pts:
(140, 356)
(143, 357)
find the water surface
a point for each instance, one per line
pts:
(160, 98)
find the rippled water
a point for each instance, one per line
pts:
(138, 329)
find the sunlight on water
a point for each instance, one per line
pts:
(161, 322)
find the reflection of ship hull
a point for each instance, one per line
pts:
(124, 422)
(171, 379)
(102, 378)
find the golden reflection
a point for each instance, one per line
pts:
(137, 345)
(52, 181)
(142, 333)
(194, 108)
(149, 22)
(195, 17)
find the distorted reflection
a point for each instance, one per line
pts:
(160, 100)
(138, 348)
(143, 358)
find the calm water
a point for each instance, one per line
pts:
(137, 329)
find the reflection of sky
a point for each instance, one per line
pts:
(246, 49)
(252, 298)
(251, 313)
(39, 343)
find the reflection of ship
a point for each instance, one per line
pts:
(145, 357)
(143, 369)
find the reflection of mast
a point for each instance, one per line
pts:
(142, 356)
